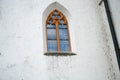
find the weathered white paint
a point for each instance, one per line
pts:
(22, 42)
(115, 12)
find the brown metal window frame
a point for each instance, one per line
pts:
(56, 21)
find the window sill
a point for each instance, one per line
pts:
(59, 54)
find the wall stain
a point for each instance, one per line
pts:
(27, 62)
(10, 65)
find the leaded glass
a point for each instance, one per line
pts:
(63, 33)
(53, 16)
(50, 21)
(51, 34)
(56, 13)
(62, 26)
(56, 16)
(51, 26)
(59, 16)
(52, 45)
(64, 45)
(62, 21)
(57, 32)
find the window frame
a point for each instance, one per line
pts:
(56, 21)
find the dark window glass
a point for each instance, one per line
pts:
(62, 26)
(51, 26)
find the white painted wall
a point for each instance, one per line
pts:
(115, 12)
(22, 40)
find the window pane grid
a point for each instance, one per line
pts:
(57, 33)
(51, 33)
(62, 26)
(64, 45)
(63, 34)
(51, 26)
(52, 45)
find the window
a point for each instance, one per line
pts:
(57, 33)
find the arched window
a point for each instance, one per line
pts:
(57, 33)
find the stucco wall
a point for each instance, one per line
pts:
(115, 12)
(22, 42)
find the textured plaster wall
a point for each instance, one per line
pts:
(115, 12)
(22, 44)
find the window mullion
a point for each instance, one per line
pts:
(47, 38)
(57, 34)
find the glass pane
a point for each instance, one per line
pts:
(62, 26)
(50, 21)
(52, 45)
(56, 16)
(51, 26)
(53, 16)
(56, 13)
(62, 22)
(63, 34)
(64, 45)
(51, 34)
(59, 16)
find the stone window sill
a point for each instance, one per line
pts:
(59, 54)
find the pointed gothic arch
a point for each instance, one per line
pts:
(58, 6)
(52, 30)
(57, 32)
